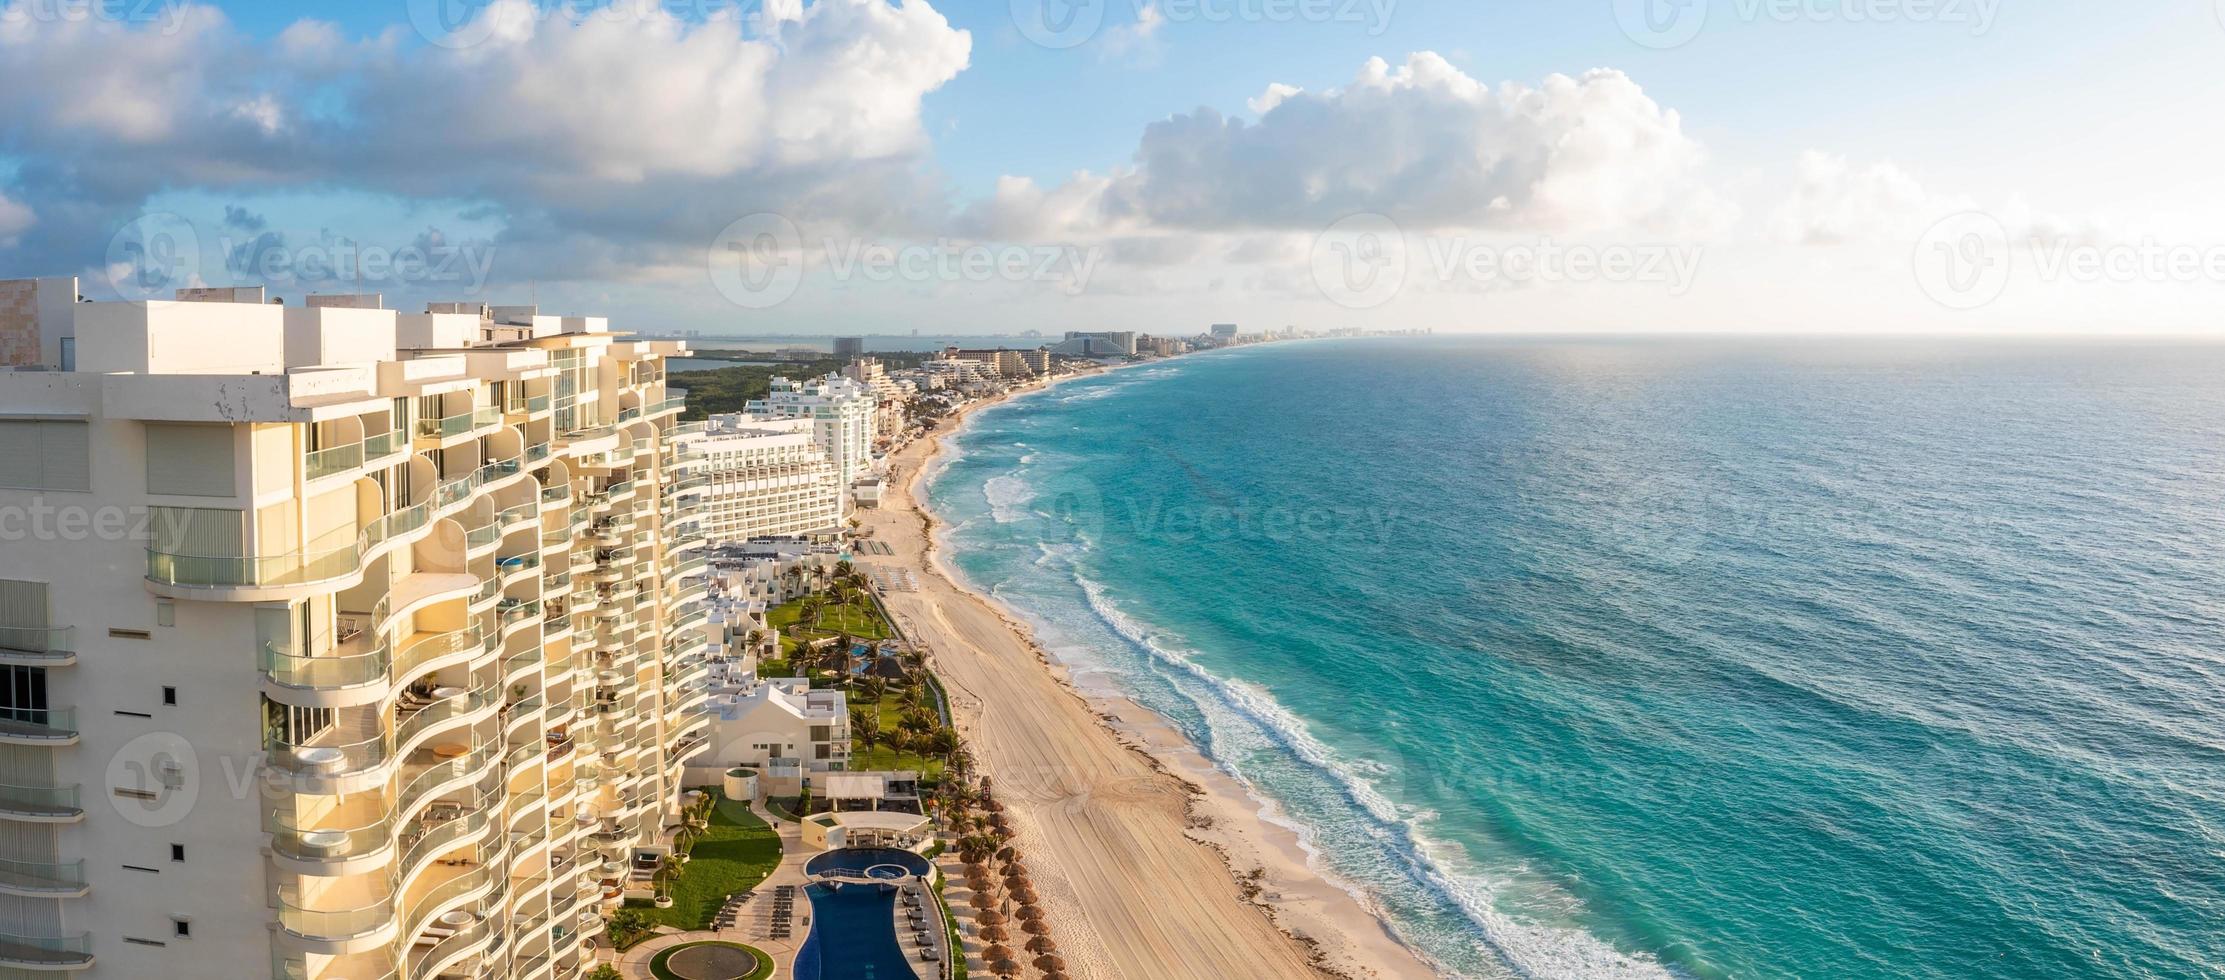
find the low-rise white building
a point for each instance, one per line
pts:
(778, 725)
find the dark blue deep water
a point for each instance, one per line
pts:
(1708, 658)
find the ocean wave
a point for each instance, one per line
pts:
(1008, 498)
(1524, 948)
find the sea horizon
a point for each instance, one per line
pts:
(1110, 514)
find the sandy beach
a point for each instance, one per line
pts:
(1151, 862)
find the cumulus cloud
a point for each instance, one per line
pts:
(1834, 202)
(608, 144)
(1430, 147)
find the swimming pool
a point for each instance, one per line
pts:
(877, 861)
(861, 919)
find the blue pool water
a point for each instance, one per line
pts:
(867, 858)
(1723, 659)
(853, 936)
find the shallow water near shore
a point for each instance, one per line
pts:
(1594, 658)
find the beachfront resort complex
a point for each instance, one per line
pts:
(427, 640)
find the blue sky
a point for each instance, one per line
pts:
(1796, 156)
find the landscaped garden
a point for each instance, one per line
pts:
(732, 850)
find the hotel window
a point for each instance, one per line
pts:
(23, 622)
(40, 454)
(191, 460)
(23, 694)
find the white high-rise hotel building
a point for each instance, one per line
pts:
(841, 412)
(338, 642)
(759, 477)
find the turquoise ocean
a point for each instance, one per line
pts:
(1643, 658)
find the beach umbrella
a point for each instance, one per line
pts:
(996, 952)
(1004, 968)
(994, 934)
(1029, 911)
(991, 917)
(982, 900)
(1049, 964)
(1025, 894)
(1054, 975)
(1035, 927)
(1042, 944)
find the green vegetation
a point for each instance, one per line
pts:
(898, 729)
(816, 617)
(605, 972)
(735, 852)
(730, 389)
(764, 969)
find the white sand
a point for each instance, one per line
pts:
(1151, 862)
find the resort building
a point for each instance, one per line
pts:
(1116, 343)
(841, 413)
(341, 642)
(779, 726)
(759, 477)
(1002, 363)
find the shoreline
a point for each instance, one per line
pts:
(1257, 906)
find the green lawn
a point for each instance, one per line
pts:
(764, 969)
(855, 618)
(739, 852)
(881, 757)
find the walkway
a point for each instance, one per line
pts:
(754, 925)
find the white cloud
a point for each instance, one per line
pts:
(1430, 147)
(1139, 40)
(1277, 93)
(1836, 203)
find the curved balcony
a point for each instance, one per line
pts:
(39, 880)
(46, 952)
(417, 728)
(38, 726)
(332, 851)
(325, 565)
(336, 931)
(38, 646)
(429, 652)
(40, 804)
(433, 837)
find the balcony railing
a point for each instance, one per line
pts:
(38, 725)
(331, 925)
(29, 877)
(330, 557)
(46, 951)
(42, 802)
(38, 642)
(338, 459)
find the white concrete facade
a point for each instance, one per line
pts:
(759, 477)
(342, 643)
(841, 412)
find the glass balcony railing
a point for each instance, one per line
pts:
(46, 802)
(38, 724)
(385, 444)
(331, 925)
(330, 759)
(329, 843)
(48, 642)
(30, 876)
(536, 404)
(338, 459)
(442, 428)
(485, 416)
(417, 654)
(46, 951)
(331, 671)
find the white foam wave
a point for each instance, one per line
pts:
(1008, 498)
(1525, 948)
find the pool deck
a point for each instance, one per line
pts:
(754, 925)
